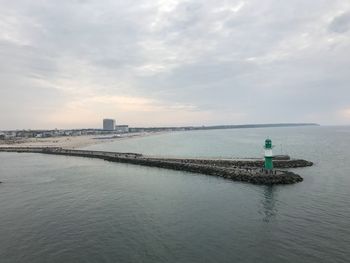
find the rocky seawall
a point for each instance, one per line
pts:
(245, 170)
(257, 163)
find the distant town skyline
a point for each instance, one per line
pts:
(173, 63)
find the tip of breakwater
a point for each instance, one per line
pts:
(272, 179)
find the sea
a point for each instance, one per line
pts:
(72, 209)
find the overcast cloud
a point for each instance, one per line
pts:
(71, 63)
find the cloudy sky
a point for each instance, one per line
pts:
(69, 64)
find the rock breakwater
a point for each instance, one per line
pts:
(245, 170)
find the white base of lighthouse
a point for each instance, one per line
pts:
(268, 153)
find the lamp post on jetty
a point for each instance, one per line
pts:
(268, 155)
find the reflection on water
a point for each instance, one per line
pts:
(269, 203)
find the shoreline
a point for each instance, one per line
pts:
(72, 142)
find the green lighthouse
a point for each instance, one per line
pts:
(268, 154)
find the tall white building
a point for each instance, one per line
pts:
(108, 124)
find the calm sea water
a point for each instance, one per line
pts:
(66, 209)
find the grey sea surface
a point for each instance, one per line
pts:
(70, 209)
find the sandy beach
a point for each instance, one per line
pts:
(70, 142)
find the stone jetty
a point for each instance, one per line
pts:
(245, 170)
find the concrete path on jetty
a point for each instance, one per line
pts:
(245, 170)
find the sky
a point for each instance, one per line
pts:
(71, 63)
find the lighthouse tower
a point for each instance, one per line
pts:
(268, 154)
